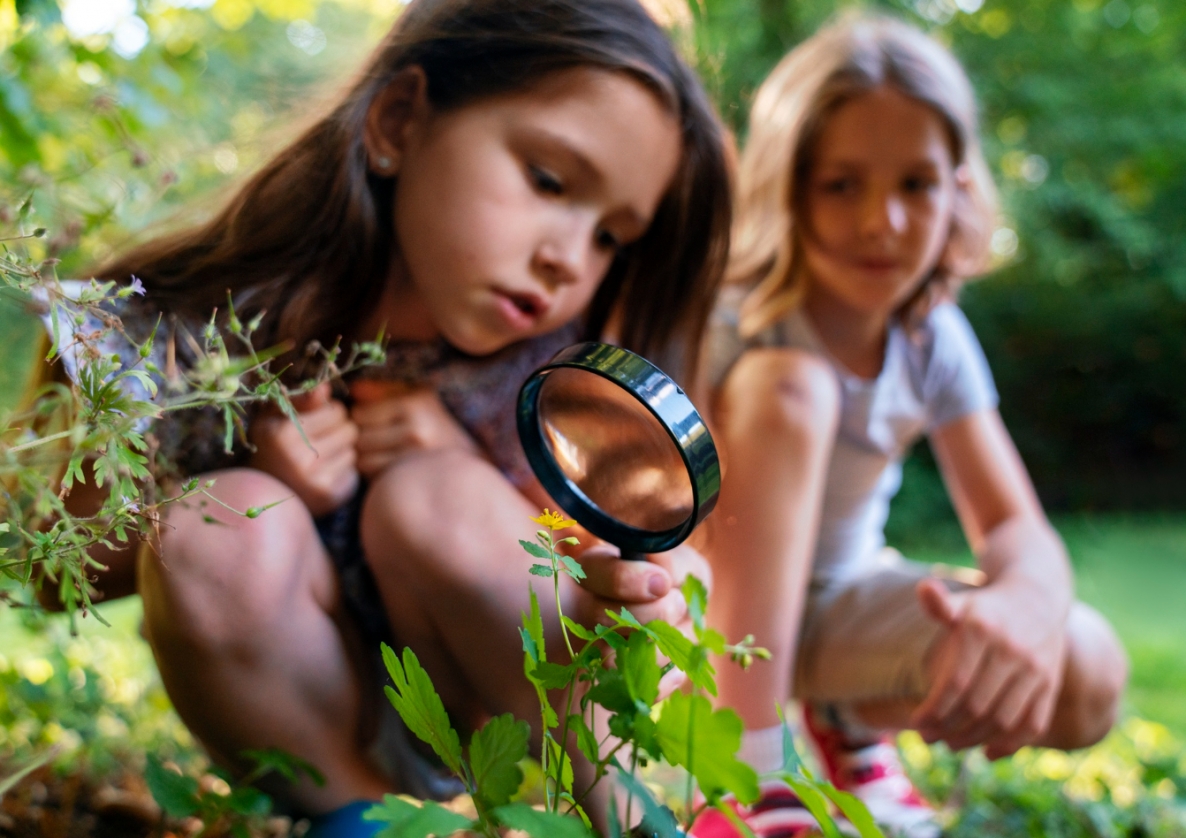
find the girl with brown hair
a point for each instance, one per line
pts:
(505, 177)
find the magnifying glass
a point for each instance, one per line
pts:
(619, 446)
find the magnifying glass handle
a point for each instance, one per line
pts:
(633, 556)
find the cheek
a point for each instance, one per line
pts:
(829, 222)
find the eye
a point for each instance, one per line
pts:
(608, 241)
(545, 181)
(919, 184)
(838, 185)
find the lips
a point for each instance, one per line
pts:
(521, 309)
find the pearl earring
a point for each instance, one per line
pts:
(384, 163)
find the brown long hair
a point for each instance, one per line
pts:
(854, 55)
(308, 239)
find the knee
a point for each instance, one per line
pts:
(788, 393)
(1094, 681)
(219, 578)
(418, 515)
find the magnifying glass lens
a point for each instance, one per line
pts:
(614, 450)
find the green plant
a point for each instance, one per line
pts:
(96, 423)
(612, 670)
(235, 807)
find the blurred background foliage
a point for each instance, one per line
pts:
(121, 116)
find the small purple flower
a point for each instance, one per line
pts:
(137, 286)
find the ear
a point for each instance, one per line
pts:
(395, 115)
(963, 177)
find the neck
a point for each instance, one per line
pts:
(400, 311)
(854, 337)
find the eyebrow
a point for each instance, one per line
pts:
(562, 145)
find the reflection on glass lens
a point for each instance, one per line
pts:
(612, 448)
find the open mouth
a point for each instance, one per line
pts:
(528, 304)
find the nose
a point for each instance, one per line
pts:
(883, 213)
(566, 252)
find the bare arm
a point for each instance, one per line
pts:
(997, 672)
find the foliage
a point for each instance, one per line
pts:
(1083, 113)
(616, 672)
(1132, 784)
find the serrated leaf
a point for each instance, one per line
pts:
(535, 550)
(541, 570)
(288, 766)
(494, 755)
(415, 699)
(686, 655)
(405, 819)
(557, 756)
(552, 676)
(586, 739)
(706, 742)
(173, 792)
(533, 623)
(639, 668)
(572, 567)
(539, 824)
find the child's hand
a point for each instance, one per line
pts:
(998, 671)
(650, 590)
(393, 419)
(320, 472)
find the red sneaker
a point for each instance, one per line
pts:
(872, 771)
(778, 813)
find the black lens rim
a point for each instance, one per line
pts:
(666, 401)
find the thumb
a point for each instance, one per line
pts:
(939, 603)
(315, 398)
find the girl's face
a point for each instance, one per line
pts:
(879, 201)
(509, 211)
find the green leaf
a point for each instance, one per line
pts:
(696, 595)
(557, 756)
(248, 801)
(553, 676)
(706, 742)
(283, 763)
(572, 567)
(586, 739)
(815, 801)
(577, 629)
(536, 550)
(494, 755)
(539, 824)
(541, 570)
(657, 820)
(417, 702)
(405, 819)
(854, 809)
(686, 655)
(173, 792)
(533, 623)
(639, 668)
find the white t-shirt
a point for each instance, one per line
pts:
(932, 375)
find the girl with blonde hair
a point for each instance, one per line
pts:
(864, 201)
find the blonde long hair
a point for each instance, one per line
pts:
(840, 62)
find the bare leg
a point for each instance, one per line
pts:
(1094, 675)
(441, 531)
(761, 540)
(243, 618)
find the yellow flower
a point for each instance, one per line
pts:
(554, 521)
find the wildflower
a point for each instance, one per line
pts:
(553, 520)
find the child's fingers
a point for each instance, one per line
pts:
(366, 390)
(939, 603)
(324, 418)
(313, 399)
(961, 655)
(611, 578)
(333, 441)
